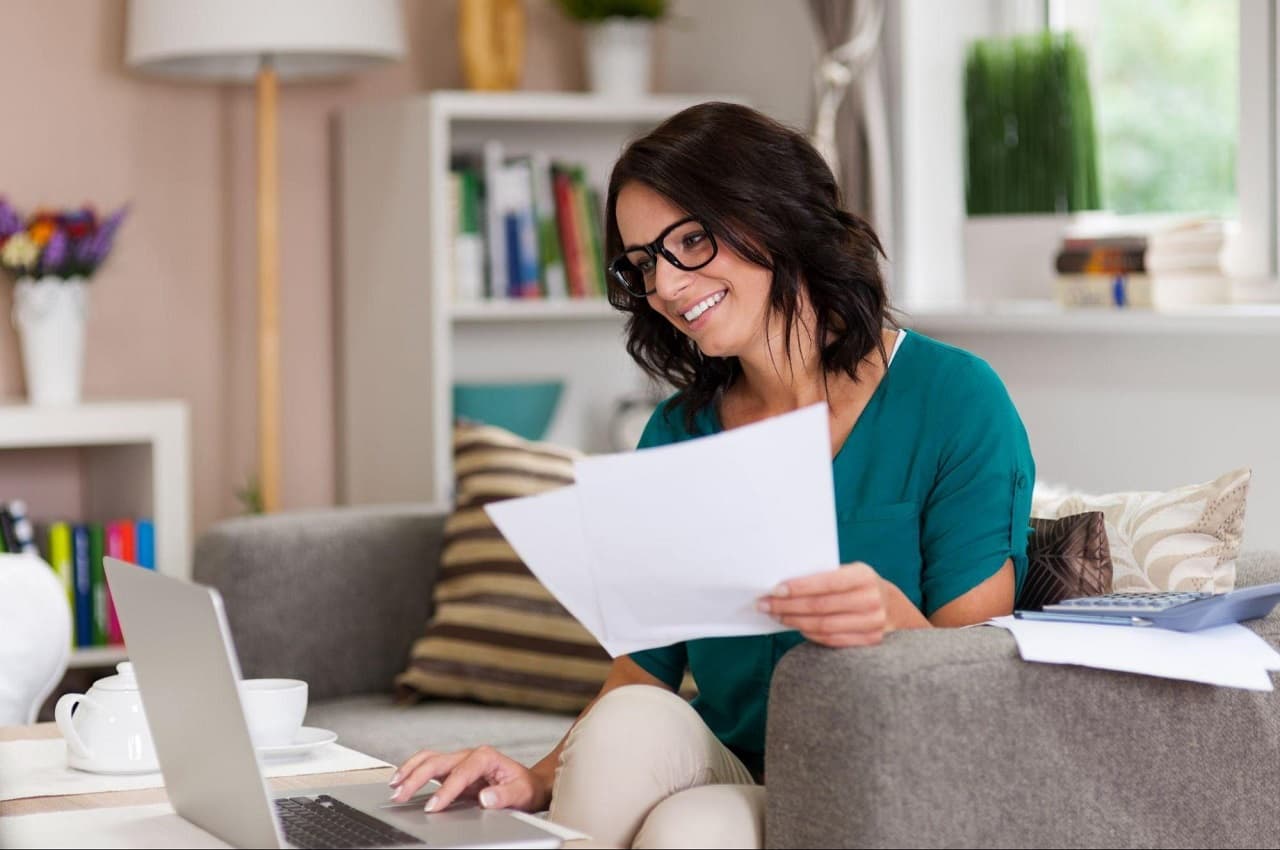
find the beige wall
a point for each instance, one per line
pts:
(173, 311)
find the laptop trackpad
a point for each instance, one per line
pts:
(464, 824)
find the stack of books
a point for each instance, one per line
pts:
(524, 227)
(1158, 262)
(75, 551)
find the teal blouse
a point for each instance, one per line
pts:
(932, 489)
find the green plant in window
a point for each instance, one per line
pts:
(598, 10)
(1030, 140)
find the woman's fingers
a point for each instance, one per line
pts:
(847, 577)
(480, 764)
(836, 624)
(409, 765)
(429, 768)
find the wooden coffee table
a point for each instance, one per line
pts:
(148, 796)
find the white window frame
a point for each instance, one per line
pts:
(929, 137)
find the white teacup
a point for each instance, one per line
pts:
(274, 709)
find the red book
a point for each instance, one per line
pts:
(121, 543)
(562, 185)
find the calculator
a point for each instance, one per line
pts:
(1180, 611)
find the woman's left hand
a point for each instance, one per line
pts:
(846, 606)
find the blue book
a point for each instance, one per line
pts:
(82, 571)
(145, 530)
(511, 225)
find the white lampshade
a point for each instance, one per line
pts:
(227, 39)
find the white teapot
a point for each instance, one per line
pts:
(109, 734)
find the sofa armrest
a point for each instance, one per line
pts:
(333, 597)
(947, 738)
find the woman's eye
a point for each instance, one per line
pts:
(694, 239)
(645, 266)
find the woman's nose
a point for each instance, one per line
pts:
(669, 281)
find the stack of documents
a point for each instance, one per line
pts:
(1228, 655)
(679, 542)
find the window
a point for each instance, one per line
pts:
(1165, 77)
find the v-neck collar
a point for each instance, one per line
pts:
(712, 411)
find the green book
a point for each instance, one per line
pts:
(98, 579)
(60, 559)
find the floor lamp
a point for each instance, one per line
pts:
(264, 42)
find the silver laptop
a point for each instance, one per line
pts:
(187, 671)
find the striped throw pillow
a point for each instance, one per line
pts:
(497, 635)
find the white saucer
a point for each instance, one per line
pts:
(308, 738)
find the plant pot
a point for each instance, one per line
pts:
(50, 315)
(620, 56)
(1011, 257)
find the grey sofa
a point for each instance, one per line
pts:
(934, 739)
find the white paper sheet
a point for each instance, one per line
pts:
(1230, 655)
(679, 542)
(39, 769)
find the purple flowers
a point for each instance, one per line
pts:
(67, 243)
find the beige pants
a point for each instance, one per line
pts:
(643, 770)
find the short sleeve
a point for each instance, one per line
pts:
(976, 514)
(666, 664)
(662, 428)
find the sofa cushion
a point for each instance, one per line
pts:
(377, 725)
(1066, 557)
(1184, 539)
(497, 635)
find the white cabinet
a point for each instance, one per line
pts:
(403, 340)
(99, 461)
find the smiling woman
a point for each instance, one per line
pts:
(753, 292)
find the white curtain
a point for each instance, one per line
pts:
(851, 119)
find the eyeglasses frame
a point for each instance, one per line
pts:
(655, 249)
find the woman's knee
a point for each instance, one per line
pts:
(729, 816)
(639, 712)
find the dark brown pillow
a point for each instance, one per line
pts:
(1067, 557)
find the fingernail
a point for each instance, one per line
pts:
(395, 779)
(781, 590)
(763, 605)
(487, 798)
(395, 795)
(431, 805)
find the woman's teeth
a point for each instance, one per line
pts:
(703, 306)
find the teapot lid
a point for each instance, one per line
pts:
(122, 681)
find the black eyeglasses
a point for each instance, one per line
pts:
(687, 245)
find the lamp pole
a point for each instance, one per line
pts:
(268, 289)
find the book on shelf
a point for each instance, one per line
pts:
(24, 536)
(84, 584)
(1139, 290)
(1151, 244)
(98, 583)
(524, 227)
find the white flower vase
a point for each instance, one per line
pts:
(620, 56)
(50, 315)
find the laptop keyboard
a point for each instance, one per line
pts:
(319, 822)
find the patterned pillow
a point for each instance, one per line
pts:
(497, 635)
(1184, 539)
(1066, 557)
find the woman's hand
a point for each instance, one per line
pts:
(847, 606)
(500, 782)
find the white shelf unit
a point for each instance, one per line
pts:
(119, 459)
(404, 343)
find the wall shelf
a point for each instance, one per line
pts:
(1024, 317)
(588, 309)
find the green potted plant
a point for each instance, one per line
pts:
(619, 41)
(1031, 159)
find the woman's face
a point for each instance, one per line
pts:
(723, 305)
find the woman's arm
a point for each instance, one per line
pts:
(500, 781)
(854, 606)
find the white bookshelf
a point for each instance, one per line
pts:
(118, 459)
(404, 342)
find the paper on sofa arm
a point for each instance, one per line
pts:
(1230, 655)
(678, 542)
